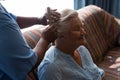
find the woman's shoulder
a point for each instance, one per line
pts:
(82, 48)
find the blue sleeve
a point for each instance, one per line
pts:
(16, 57)
(49, 72)
(3, 10)
(13, 16)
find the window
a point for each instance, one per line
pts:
(35, 7)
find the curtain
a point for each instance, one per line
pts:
(111, 6)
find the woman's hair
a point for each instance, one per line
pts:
(64, 23)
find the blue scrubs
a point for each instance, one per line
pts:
(16, 57)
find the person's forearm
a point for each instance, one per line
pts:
(24, 22)
(40, 50)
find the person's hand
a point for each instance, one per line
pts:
(49, 33)
(50, 17)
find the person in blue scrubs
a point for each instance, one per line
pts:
(17, 59)
(69, 59)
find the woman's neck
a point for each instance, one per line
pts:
(65, 49)
(65, 46)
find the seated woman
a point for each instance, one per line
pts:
(69, 59)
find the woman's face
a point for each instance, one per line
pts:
(76, 33)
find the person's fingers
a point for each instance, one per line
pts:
(54, 9)
(52, 15)
(49, 15)
(50, 33)
(55, 15)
